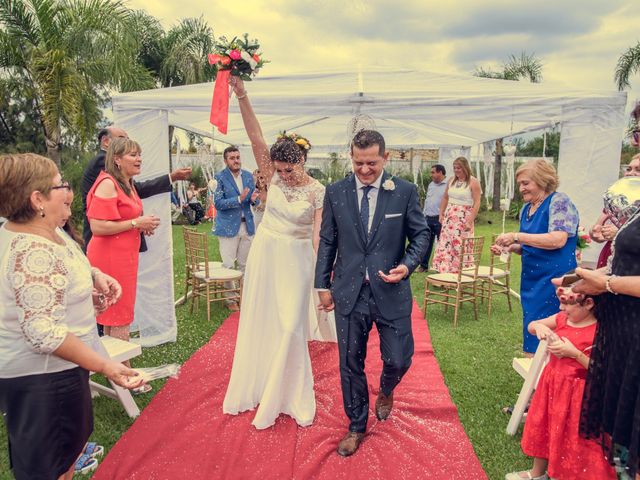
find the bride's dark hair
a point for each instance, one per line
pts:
(288, 150)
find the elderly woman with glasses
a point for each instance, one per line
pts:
(48, 339)
(547, 242)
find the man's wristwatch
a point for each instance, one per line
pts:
(134, 224)
(515, 238)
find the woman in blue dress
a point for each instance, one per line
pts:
(546, 240)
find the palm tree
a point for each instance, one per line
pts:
(186, 47)
(527, 67)
(68, 55)
(628, 64)
(176, 57)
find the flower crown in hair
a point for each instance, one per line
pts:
(297, 139)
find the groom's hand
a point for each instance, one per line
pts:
(326, 301)
(395, 274)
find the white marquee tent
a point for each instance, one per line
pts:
(410, 108)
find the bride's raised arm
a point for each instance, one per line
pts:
(253, 129)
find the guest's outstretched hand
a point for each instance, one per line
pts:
(592, 282)
(121, 375)
(180, 174)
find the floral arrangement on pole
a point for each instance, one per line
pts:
(583, 242)
(238, 57)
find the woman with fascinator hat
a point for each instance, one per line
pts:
(271, 364)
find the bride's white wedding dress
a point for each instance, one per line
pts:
(271, 364)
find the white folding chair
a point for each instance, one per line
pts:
(530, 369)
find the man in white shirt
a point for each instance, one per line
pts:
(431, 210)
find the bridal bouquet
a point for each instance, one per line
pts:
(238, 57)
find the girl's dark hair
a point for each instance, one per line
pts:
(288, 151)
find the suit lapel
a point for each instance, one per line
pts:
(233, 180)
(381, 206)
(353, 207)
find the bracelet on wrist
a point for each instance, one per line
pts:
(244, 95)
(607, 285)
(516, 239)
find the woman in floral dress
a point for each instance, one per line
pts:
(458, 211)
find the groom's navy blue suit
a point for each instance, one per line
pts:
(345, 255)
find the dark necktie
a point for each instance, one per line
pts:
(364, 209)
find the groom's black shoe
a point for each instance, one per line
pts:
(384, 405)
(350, 443)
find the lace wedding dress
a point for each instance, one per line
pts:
(271, 364)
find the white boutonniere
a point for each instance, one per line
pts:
(389, 184)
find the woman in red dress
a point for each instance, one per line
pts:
(551, 432)
(114, 210)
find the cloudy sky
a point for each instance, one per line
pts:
(578, 42)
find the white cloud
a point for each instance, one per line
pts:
(578, 42)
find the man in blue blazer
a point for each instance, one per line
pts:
(362, 271)
(233, 198)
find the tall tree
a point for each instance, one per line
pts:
(186, 47)
(628, 64)
(528, 67)
(68, 54)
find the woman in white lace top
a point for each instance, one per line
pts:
(48, 338)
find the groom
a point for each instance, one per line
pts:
(366, 221)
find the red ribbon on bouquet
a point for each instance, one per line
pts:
(220, 103)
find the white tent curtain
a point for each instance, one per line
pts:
(411, 109)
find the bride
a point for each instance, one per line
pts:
(271, 364)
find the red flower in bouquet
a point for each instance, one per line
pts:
(239, 55)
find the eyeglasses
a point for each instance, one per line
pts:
(64, 185)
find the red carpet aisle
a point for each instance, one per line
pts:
(182, 434)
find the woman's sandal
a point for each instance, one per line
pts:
(85, 464)
(93, 450)
(509, 410)
(527, 476)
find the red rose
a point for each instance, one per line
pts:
(235, 54)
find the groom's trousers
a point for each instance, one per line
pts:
(396, 349)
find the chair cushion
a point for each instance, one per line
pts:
(449, 278)
(219, 274)
(484, 271)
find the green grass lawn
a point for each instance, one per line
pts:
(475, 360)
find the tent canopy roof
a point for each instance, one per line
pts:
(408, 107)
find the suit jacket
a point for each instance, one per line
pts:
(229, 209)
(148, 188)
(344, 254)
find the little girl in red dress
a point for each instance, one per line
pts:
(551, 429)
